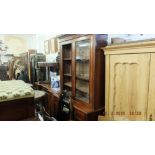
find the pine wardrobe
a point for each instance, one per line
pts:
(130, 81)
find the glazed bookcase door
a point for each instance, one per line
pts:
(82, 70)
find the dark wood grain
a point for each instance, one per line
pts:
(16, 110)
(96, 105)
(52, 98)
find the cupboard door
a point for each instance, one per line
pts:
(151, 100)
(129, 81)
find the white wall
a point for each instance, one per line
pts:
(19, 43)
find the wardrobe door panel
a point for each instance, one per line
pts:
(129, 80)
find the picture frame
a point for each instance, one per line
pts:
(53, 45)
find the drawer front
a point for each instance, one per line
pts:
(79, 115)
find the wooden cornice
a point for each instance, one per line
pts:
(131, 47)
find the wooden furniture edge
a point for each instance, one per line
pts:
(136, 46)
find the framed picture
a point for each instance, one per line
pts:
(53, 45)
(46, 46)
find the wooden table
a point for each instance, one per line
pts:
(53, 98)
(39, 94)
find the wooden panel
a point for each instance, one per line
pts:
(56, 102)
(132, 47)
(16, 110)
(50, 106)
(79, 116)
(99, 79)
(151, 99)
(66, 37)
(129, 79)
(84, 113)
(73, 70)
(107, 81)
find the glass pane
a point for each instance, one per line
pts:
(82, 70)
